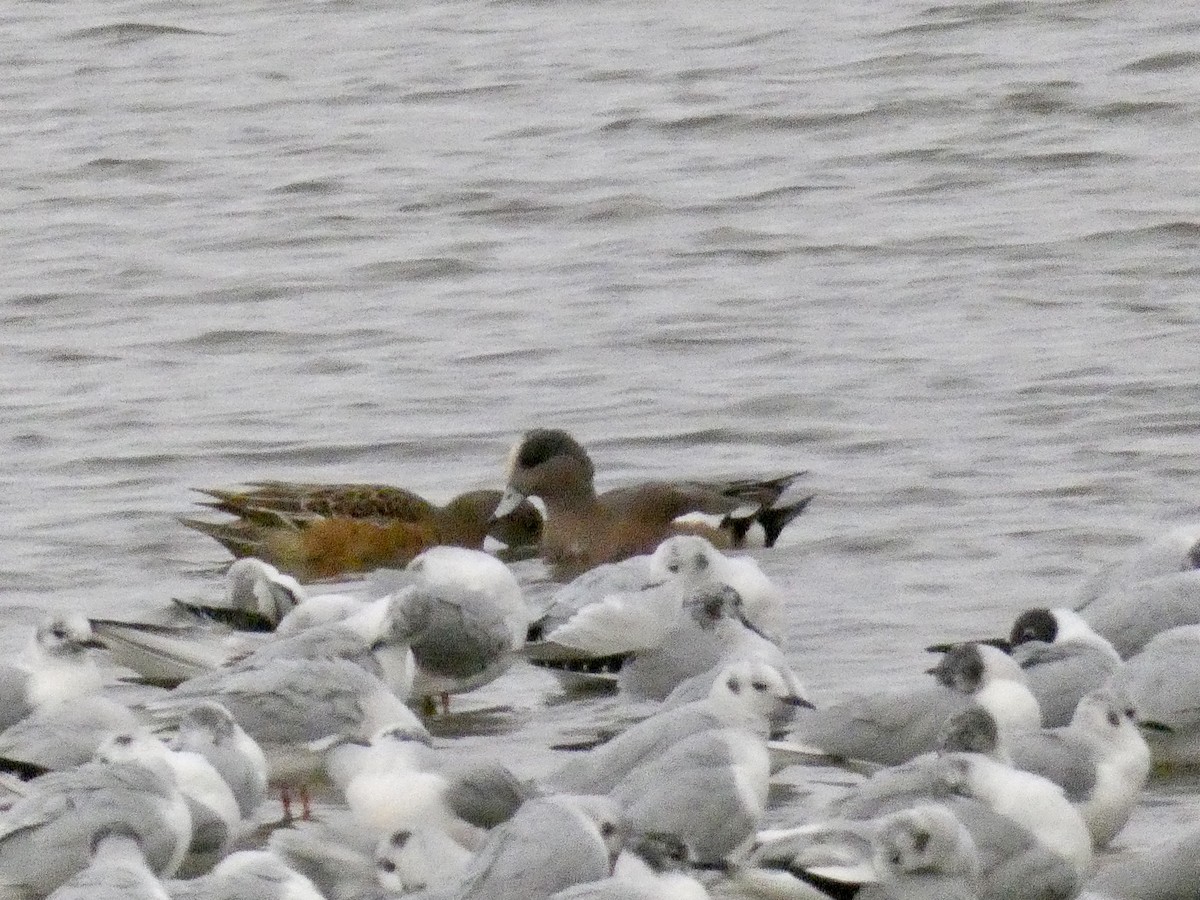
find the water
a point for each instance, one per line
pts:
(942, 255)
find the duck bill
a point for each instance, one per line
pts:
(511, 500)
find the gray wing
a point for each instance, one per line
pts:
(888, 728)
(461, 633)
(1059, 674)
(1163, 681)
(285, 701)
(1060, 756)
(628, 576)
(117, 872)
(47, 836)
(543, 849)
(66, 735)
(598, 771)
(1132, 614)
(701, 791)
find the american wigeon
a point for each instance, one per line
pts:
(583, 529)
(316, 531)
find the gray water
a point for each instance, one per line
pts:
(944, 256)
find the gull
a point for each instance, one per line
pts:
(117, 871)
(919, 853)
(1163, 685)
(675, 629)
(55, 666)
(64, 735)
(467, 616)
(1021, 823)
(709, 789)
(1176, 550)
(550, 844)
(391, 785)
(895, 726)
(1131, 615)
(216, 818)
(1062, 658)
(295, 709)
(747, 697)
(209, 730)
(257, 597)
(1100, 759)
(48, 834)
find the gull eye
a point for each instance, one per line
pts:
(59, 633)
(387, 865)
(608, 829)
(759, 686)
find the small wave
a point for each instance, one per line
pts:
(116, 166)
(1165, 62)
(133, 31)
(309, 186)
(1165, 231)
(1132, 109)
(428, 268)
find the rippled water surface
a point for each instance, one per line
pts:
(945, 256)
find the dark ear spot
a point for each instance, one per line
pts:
(400, 838)
(701, 562)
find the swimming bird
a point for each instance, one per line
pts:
(891, 727)
(64, 735)
(56, 665)
(316, 531)
(1062, 658)
(919, 853)
(688, 624)
(1031, 839)
(257, 597)
(550, 844)
(1100, 759)
(49, 834)
(295, 709)
(747, 697)
(215, 814)
(211, 731)
(1162, 683)
(584, 529)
